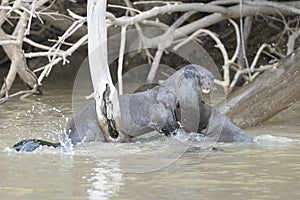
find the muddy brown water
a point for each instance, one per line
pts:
(146, 169)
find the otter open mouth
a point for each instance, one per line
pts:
(205, 90)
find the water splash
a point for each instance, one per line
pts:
(181, 135)
(267, 139)
(199, 137)
(8, 150)
(66, 142)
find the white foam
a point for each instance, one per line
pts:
(266, 138)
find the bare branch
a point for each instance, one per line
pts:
(280, 6)
(25, 11)
(261, 48)
(7, 97)
(74, 27)
(125, 8)
(154, 65)
(163, 44)
(238, 41)
(292, 40)
(121, 57)
(8, 42)
(244, 56)
(233, 12)
(27, 31)
(199, 7)
(157, 2)
(219, 45)
(47, 68)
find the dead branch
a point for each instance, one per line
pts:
(47, 68)
(199, 7)
(165, 43)
(219, 15)
(12, 43)
(157, 2)
(73, 28)
(244, 40)
(121, 57)
(233, 12)
(291, 42)
(73, 24)
(15, 54)
(8, 97)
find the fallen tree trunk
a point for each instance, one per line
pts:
(273, 91)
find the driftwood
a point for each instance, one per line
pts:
(271, 92)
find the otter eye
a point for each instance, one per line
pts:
(188, 73)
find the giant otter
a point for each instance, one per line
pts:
(164, 108)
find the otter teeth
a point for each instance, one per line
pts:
(205, 90)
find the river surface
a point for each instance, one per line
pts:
(156, 168)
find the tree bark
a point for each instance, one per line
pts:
(270, 93)
(105, 94)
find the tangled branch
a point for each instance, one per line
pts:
(12, 44)
(196, 28)
(24, 16)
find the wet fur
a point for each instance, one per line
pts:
(178, 99)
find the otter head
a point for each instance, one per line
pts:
(203, 76)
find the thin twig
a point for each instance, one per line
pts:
(157, 2)
(238, 41)
(75, 16)
(277, 5)
(261, 48)
(44, 54)
(155, 23)
(235, 79)
(5, 86)
(198, 7)
(139, 30)
(74, 27)
(219, 45)
(6, 98)
(246, 33)
(27, 31)
(292, 40)
(165, 43)
(121, 57)
(35, 44)
(47, 68)
(154, 65)
(9, 42)
(242, 39)
(123, 7)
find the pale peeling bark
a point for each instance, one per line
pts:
(105, 94)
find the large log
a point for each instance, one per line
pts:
(271, 92)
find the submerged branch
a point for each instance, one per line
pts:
(8, 97)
